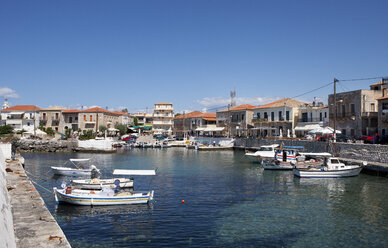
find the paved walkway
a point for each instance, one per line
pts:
(33, 223)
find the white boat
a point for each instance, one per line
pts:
(284, 158)
(77, 170)
(101, 183)
(331, 167)
(264, 152)
(106, 196)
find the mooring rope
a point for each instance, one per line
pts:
(50, 191)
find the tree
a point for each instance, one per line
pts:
(87, 135)
(122, 128)
(135, 121)
(124, 110)
(102, 128)
(6, 129)
(49, 131)
(177, 114)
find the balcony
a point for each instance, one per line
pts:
(54, 122)
(42, 122)
(343, 115)
(162, 122)
(257, 120)
(311, 119)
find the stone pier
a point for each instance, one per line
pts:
(34, 225)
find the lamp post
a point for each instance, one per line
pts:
(335, 107)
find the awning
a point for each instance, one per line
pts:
(263, 128)
(79, 159)
(16, 113)
(307, 127)
(200, 129)
(214, 129)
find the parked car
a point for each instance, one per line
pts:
(308, 137)
(367, 139)
(325, 137)
(342, 138)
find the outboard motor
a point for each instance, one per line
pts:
(117, 184)
(95, 173)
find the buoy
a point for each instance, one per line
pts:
(183, 201)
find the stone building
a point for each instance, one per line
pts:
(21, 117)
(356, 111)
(71, 119)
(237, 120)
(163, 117)
(52, 118)
(383, 115)
(311, 116)
(277, 118)
(196, 123)
(93, 118)
(124, 118)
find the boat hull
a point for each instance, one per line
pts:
(65, 171)
(308, 173)
(101, 183)
(277, 166)
(99, 199)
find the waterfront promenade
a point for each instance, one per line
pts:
(34, 225)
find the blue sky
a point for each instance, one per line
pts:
(191, 53)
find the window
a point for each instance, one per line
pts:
(242, 117)
(265, 115)
(76, 118)
(325, 114)
(84, 117)
(91, 118)
(287, 115)
(280, 115)
(320, 116)
(344, 131)
(352, 109)
(44, 116)
(372, 107)
(272, 116)
(258, 115)
(343, 110)
(385, 106)
(56, 116)
(70, 119)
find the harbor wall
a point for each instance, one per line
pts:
(6, 150)
(7, 237)
(224, 142)
(367, 152)
(95, 145)
(31, 145)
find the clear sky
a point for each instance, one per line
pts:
(191, 53)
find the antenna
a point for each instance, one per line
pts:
(233, 98)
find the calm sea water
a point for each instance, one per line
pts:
(229, 202)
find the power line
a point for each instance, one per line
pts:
(359, 79)
(323, 86)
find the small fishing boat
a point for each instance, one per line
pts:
(284, 158)
(332, 167)
(78, 170)
(98, 184)
(264, 152)
(107, 195)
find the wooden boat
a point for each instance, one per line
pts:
(77, 170)
(101, 183)
(107, 195)
(331, 167)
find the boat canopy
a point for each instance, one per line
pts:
(135, 172)
(292, 147)
(318, 154)
(79, 159)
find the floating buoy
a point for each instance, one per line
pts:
(183, 201)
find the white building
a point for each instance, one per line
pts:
(163, 118)
(21, 117)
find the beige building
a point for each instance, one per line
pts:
(277, 118)
(383, 116)
(124, 118)
(194, 124)
(356, 111)
(70, 118)
(237, 120)
(163, 117)
(52, 118)
(92, 119)
(311, 116)
(143, 119)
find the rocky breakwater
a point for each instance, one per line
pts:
(30, 145)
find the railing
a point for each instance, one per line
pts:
(311, 119)
(42, 122)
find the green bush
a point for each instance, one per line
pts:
(6, 129)
(49, 131)
(86, 135)
(122, 128)
(102, 128)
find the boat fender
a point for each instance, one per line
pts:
(92, 192)
(321, 169)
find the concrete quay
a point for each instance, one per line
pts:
(34, 225)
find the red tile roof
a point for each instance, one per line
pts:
(71, 111)
(197, 114)
(22, 108)
(121, 113)
(382, 98)
(280, 103)
(243, 107)
(97, 110)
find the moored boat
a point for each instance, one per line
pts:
(264, 152)
(78, 170)
(98, 184)
(331, 167)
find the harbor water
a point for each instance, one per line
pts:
(228, 202)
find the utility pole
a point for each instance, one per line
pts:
(335, 108)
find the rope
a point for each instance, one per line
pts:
(38, 183)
